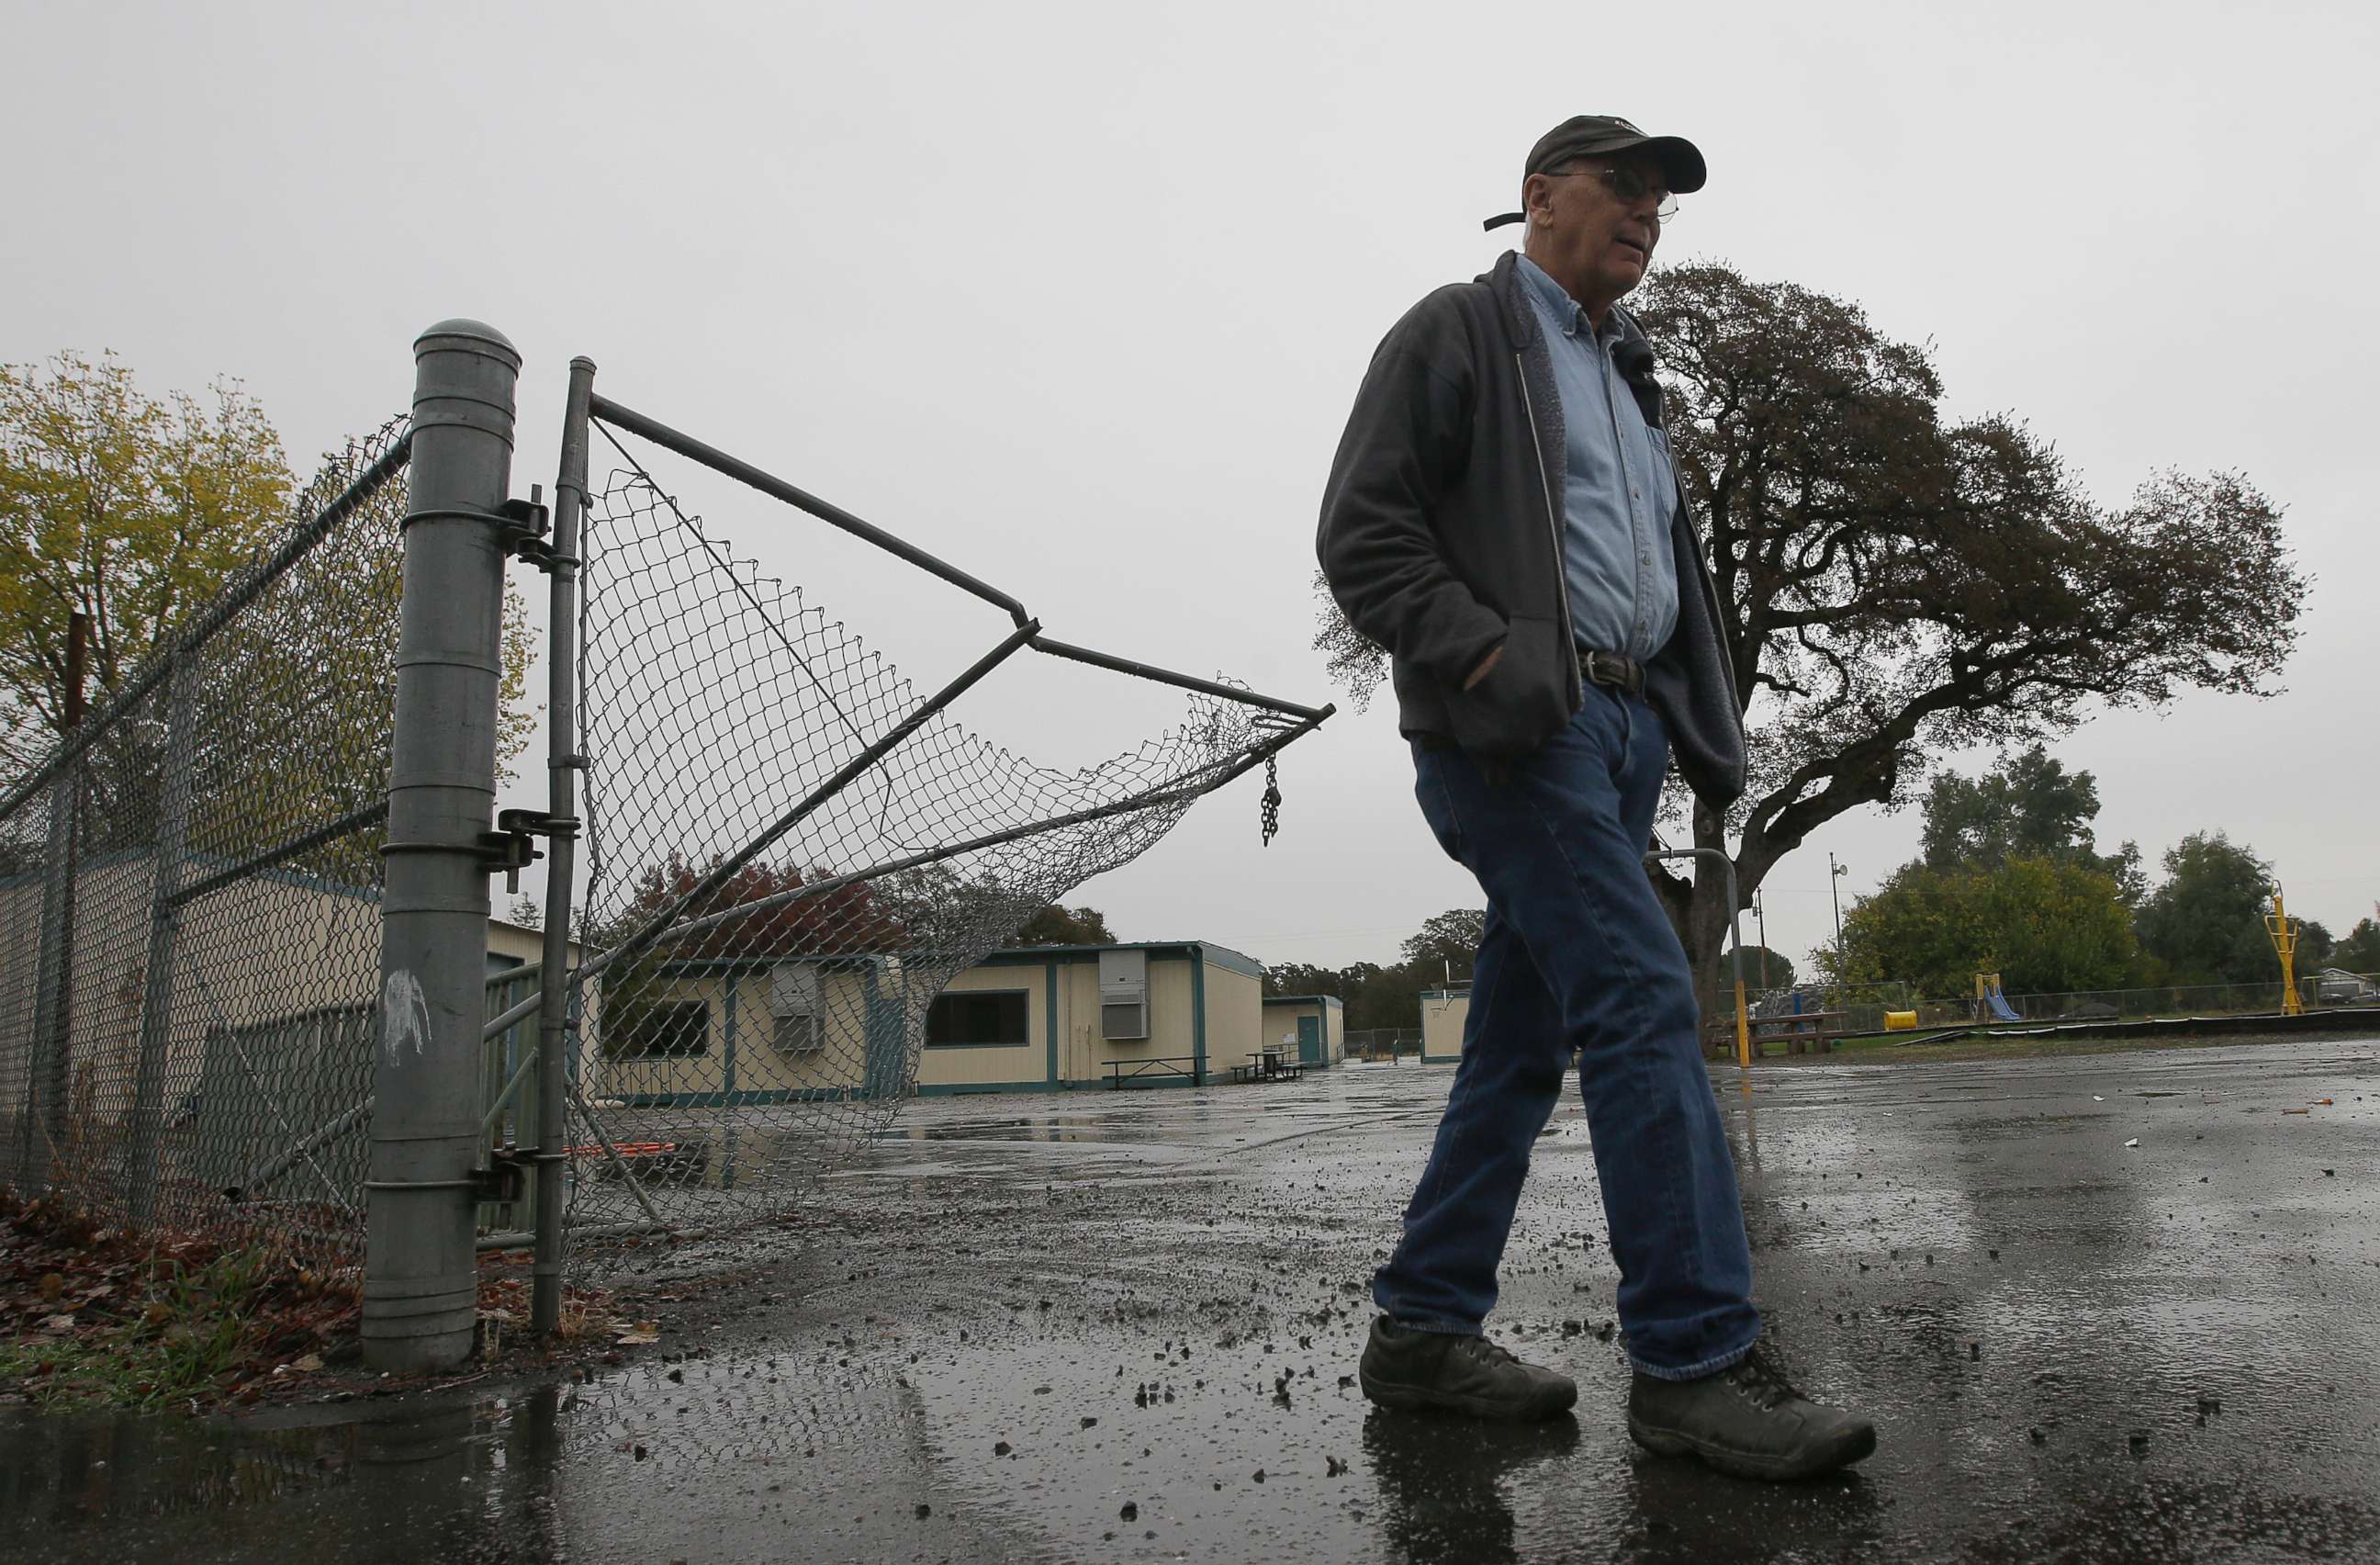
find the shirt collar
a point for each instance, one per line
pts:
(1559, 306)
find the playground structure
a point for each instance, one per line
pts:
(2285, 946)
(1991, 1001)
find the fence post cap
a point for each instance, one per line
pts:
(465, 327)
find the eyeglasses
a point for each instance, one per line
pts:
(1632, 188)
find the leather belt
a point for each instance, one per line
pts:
(1610, 668)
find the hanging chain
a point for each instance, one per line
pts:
(1268, 813)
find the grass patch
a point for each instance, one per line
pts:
(88, 1315)
(190, 1329)
(92, 1317)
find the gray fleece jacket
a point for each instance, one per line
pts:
(1441, 540)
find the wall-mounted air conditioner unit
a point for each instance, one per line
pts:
(797, 1009)
(1123, 996)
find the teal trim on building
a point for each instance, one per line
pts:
(728, 1008)
(727, 1100)
(952, 1089)
(1198, 1009)
(1033, 956)
(1230, 960)
(1049, 1018)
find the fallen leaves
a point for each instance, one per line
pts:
(635, 1334)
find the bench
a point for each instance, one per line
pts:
(1184, 1066)
(1269, 1065)
(1811, 1031)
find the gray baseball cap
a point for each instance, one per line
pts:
(1587, 134)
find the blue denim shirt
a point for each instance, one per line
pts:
(1618, 495)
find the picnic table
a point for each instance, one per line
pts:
(1122, 1070)
(1808, 1032)
(1270, 1064)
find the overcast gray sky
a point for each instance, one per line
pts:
(1076, 295)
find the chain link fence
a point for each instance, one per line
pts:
(190, 929)
(1861, 1008)
(209, 983)
(792, 852)
(1383, 1043)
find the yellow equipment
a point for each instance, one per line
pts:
(1900, 1021)
(2285, 942)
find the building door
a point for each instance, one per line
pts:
(1309, 1040)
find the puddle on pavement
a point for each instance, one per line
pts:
(745, 1460)
(2102, 1326)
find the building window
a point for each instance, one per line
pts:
(667, 1029)
(978, 1019)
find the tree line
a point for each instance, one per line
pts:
(2009, 879)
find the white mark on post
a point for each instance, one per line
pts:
(404, 1014)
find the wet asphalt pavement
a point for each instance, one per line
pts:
(1123, 1327)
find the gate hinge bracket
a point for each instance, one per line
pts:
(509, 849)
(526, 522)
(505, 1178)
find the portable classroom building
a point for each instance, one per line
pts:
(1034, 1018)
(1312, 1027)
(1443, 1013)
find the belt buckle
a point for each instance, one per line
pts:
(1610, 669)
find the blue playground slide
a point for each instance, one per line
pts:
(2001, 1012)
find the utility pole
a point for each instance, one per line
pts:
(1760, 916)
(1835, 873)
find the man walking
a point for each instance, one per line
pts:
(1503, 514)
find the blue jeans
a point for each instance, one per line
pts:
(1578, 954)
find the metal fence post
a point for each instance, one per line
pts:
(563, 761)
(421, 1268)
(53, 968)
(46, 1108)
(157, 973)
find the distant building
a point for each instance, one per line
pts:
(1311, 1028)
(1033, 1019)
(1443, 1012)
(1082, 1007)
